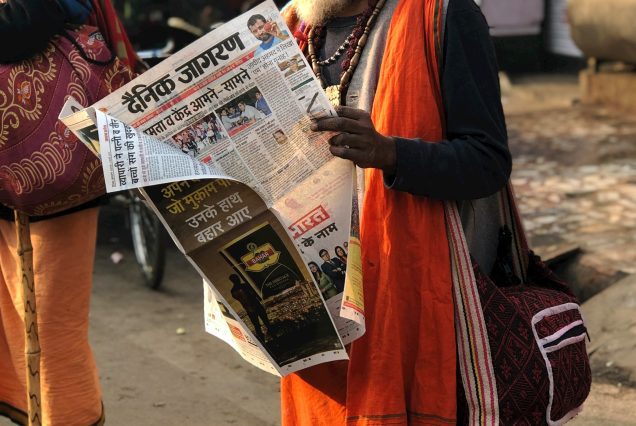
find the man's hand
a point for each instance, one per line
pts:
(272, 28)
(358, 140)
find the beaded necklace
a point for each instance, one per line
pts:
(355, 43)
(333, 58)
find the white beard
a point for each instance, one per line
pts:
(316, 12)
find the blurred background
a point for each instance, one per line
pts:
(149, 25)
(530, 35)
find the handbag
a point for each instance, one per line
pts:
(522, 356)
(44, 168)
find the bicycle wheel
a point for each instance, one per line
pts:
(147, 237)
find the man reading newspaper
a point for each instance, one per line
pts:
(403, 371)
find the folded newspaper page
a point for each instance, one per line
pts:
(217, 137)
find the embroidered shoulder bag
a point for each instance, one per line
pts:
(44, 168)
(520, 333)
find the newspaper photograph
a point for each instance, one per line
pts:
(218, 139)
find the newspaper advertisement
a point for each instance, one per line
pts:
(218, 139)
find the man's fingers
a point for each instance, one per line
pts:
(338, 124)
(346, 153)
(346, 139)
(352, 113)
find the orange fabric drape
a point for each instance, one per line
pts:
(63, 253)
(403, 370)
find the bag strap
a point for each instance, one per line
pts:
(473, 345)
(513, 223)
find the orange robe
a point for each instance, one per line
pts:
(403, 371)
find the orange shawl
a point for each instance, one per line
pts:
(403, 370)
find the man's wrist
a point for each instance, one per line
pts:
(390, 156)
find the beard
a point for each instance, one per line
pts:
(317, 12)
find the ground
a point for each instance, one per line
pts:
(574, 172)
(575, 177)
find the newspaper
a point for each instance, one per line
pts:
(217, 137)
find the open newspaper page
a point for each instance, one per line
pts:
(218, 136)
